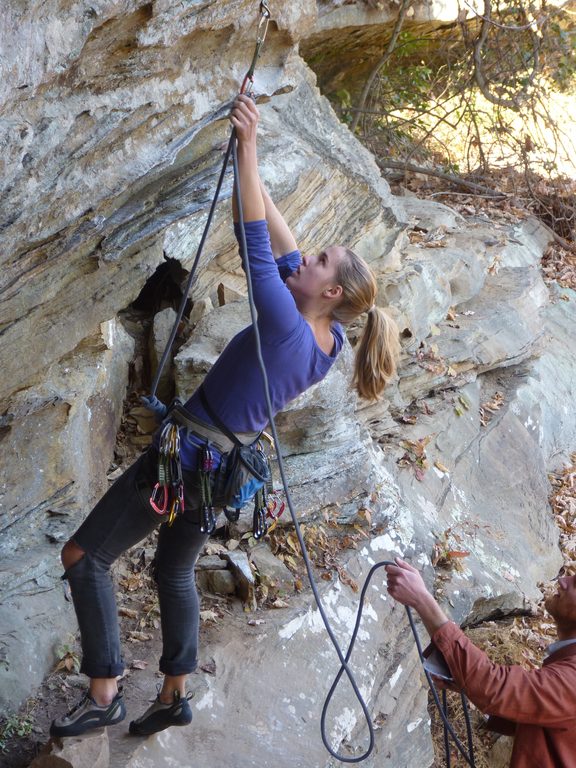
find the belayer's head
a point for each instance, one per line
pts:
(561, 605)
(339, 284)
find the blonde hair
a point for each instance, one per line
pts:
(379, 347)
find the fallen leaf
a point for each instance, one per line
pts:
(279, 603)
(208, 615)
(130, 613)
(213, 548)
(209, 667)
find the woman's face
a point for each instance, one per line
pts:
(315, 278)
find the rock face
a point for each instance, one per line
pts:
(112, 125)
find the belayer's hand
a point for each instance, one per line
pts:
(154, 405)
(405, 583)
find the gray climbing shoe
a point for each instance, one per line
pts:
(87, 715)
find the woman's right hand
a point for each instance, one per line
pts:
(244, 117)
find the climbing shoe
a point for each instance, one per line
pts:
(87, 715)
(159, 716)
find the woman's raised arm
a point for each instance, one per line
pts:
(244, 118)
(281, 238)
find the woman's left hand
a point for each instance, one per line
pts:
(244, 117)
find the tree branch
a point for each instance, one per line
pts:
(398, 164)
(387, 53)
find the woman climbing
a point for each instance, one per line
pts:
(301, 335)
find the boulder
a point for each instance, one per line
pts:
(88, 751)
(502, 606)
(271, 571)
(48, 485)
(161, 331)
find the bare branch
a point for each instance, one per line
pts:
(387, 53)
(482, 81)
(401, 166)
(508, 27)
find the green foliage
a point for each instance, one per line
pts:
(67, 658)
(410, 44)
(560, 44)
(15, 726)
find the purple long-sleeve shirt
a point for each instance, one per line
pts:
(292, 357)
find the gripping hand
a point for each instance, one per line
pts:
(154, 405)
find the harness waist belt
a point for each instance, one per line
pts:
(180, 415)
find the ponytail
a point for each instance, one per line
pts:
(376, 355)
(379, 348)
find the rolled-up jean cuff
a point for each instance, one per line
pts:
(174, 669)
(98, 670)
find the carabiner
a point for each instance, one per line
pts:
(159, 499)
(174, 511)
(264, 21)
(260, 37)
(271, 509)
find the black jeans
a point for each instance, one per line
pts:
(121, 519)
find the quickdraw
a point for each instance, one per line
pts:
(259, 521)
(265, 501)
(207, 516)
(248, 82)
(167, 496)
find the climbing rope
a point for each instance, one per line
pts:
(344, 666)
(468, 754)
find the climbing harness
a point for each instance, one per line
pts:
(167, 494)
(244, 473)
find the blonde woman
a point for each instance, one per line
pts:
(302, 303)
